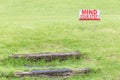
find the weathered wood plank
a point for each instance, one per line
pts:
(60, 72)
(47, 56)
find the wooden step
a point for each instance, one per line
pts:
(48, 55)
(56, 72)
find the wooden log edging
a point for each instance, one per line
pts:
(60, 72)
(47, 56)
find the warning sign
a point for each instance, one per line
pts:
(89, 14)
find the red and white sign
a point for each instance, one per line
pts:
(89, 14)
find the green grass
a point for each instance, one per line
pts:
(28, 26)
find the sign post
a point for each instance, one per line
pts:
(89, 14)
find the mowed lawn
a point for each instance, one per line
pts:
(29, 26)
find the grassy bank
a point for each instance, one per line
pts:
(53, 26)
